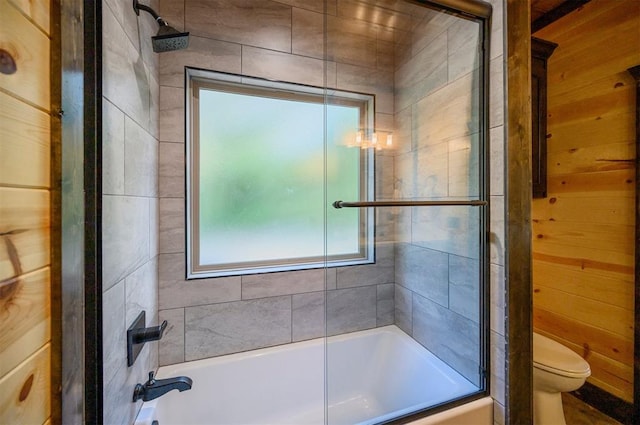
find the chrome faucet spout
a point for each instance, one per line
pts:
(155, 388)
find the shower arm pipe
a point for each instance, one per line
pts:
(138, 7)
(344, 204)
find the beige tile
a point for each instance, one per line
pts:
(177, 292)
(171, 114)
(427, 30)
(172, 11)
(279, 66)
(140, 161)
(202, 53)
(171, 346)
(172, 225)
(351, 41)
(308, 36)
(370, 81)
(171, 170)
(386, 15)
(268, 24)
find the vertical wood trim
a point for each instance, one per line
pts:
(635, 72)
(519, 379)
(56, 215)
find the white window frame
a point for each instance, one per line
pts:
(194, 80)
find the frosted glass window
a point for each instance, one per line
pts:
(266, 163)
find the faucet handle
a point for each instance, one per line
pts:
(151, 377)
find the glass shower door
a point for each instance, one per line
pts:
(406, 322)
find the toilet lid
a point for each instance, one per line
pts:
(554, 357)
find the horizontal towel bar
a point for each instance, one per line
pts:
(344, 204)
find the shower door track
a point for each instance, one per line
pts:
(364, 204)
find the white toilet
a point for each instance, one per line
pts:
(556, 369)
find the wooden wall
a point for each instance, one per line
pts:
(583, 232)
(25, 313)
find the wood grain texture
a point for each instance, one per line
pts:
(24, 398)
(37, 10)
(583, 244)
(25, 149)
(30, 48)
(25, 320)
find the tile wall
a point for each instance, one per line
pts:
(283, 41)
(129, 201)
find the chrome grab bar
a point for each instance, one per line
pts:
(344, 204)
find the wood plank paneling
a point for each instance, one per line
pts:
(30, 49)
(25, 397)
(26, 319)
(583, 240)
(25, 224)
(25, 151)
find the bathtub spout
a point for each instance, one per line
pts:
(155, 388)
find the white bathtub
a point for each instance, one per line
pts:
(373, 375)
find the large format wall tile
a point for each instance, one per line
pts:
(285, 283)
(464, 287)
(382, 271)
(385, 312)
(172, 225)
(279, 66)
(171, 349)
(218, 329)
(451, 229)
(202, 53)
(350, 310)
(451, 337)
(125, 241)
(175, 291)
(141, 293)
(171, 172)
(423, 271)
(463, 48)
(268, 25)
(403, 310)
(141, 176)
(112, 149)
(308, 316)
(125, 77)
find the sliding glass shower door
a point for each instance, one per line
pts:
(406, 184)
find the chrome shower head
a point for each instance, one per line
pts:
(168, 38)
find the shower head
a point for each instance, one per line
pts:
(167, 38)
